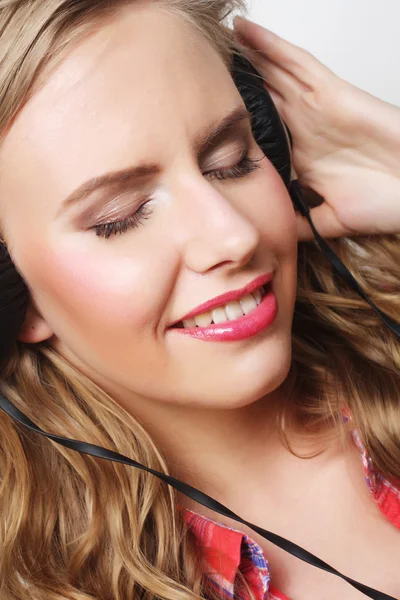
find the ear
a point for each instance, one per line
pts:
(34, 329)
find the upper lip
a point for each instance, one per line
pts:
(228, 297)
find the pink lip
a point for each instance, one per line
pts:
(247, 326)
(228, 297)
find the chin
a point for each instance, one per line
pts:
(251, 379)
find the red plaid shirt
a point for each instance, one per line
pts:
(227, 551)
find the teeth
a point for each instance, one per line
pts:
(248, 303)
(257, 295)
(219, 315)
(233, 311)
(188, 323)
(203, 320)
(229, 312)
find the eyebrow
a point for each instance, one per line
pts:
(202, 143)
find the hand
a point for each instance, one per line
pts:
(346, 143)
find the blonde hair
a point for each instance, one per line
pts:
(97, 529)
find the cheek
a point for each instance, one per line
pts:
(276, 220)
(273, 212)
(96, 288)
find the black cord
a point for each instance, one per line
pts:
(194, 494)
(339, 267)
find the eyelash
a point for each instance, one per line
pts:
(245, 166)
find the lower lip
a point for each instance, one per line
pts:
(245, 327)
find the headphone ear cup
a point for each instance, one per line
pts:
(268, 128)
(14, 298)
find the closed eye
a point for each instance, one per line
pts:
(245, 166)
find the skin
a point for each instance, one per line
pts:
(106, 304)
(346, 141)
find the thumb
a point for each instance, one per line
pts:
(325, 222)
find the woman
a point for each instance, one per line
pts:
(132, 193)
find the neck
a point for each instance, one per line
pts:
(226, 454)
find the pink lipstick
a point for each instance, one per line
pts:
(242, 328)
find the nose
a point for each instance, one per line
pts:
(216, 230)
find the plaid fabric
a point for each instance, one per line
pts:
(386, 494)
(228, 551)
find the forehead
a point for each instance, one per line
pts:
(136, 88)
(145, 69)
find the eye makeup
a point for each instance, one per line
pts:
(244, 167)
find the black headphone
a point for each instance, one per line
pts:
(269, 133)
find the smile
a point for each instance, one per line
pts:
(231, 311)
(237, 320)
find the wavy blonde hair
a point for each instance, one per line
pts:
(94, 529)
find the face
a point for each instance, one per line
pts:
(142, 91)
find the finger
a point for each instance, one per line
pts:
(275, 93)
(283, 82)
(298, 61)
(276, 98)
(325, 222)
(276, 79)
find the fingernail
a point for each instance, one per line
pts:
(241, 20)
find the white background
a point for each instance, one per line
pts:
(358, 39)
